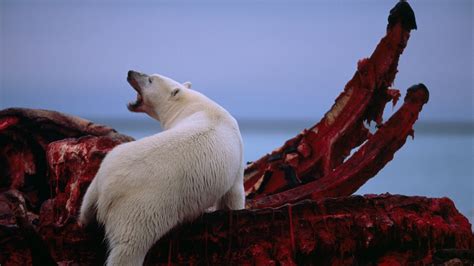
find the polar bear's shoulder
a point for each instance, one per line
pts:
(195, 126)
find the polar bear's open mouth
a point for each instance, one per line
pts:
(135, 106)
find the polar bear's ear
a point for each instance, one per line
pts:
(187, 85)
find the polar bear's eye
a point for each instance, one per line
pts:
(150, 80)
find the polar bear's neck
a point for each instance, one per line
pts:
(174, 114)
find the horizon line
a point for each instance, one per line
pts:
(432, 127)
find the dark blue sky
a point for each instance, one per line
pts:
(261, 60)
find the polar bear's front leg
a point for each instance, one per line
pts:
(234, 198)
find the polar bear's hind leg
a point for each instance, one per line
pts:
(132, 229)
(125, 254)
(89, 203)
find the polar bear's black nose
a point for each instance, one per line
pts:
(136, 73)
(132, 73)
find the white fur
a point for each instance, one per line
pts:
(146, 187)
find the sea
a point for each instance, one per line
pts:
(438, 162)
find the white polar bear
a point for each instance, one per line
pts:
(146, 187)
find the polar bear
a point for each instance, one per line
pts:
(146, 187)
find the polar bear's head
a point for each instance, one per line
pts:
(156, 94)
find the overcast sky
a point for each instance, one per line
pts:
(259, 59)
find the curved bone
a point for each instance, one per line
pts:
(364, 164)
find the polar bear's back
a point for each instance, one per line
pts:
(188, 166)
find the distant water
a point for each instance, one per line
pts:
(434, 164)
(437, 163)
